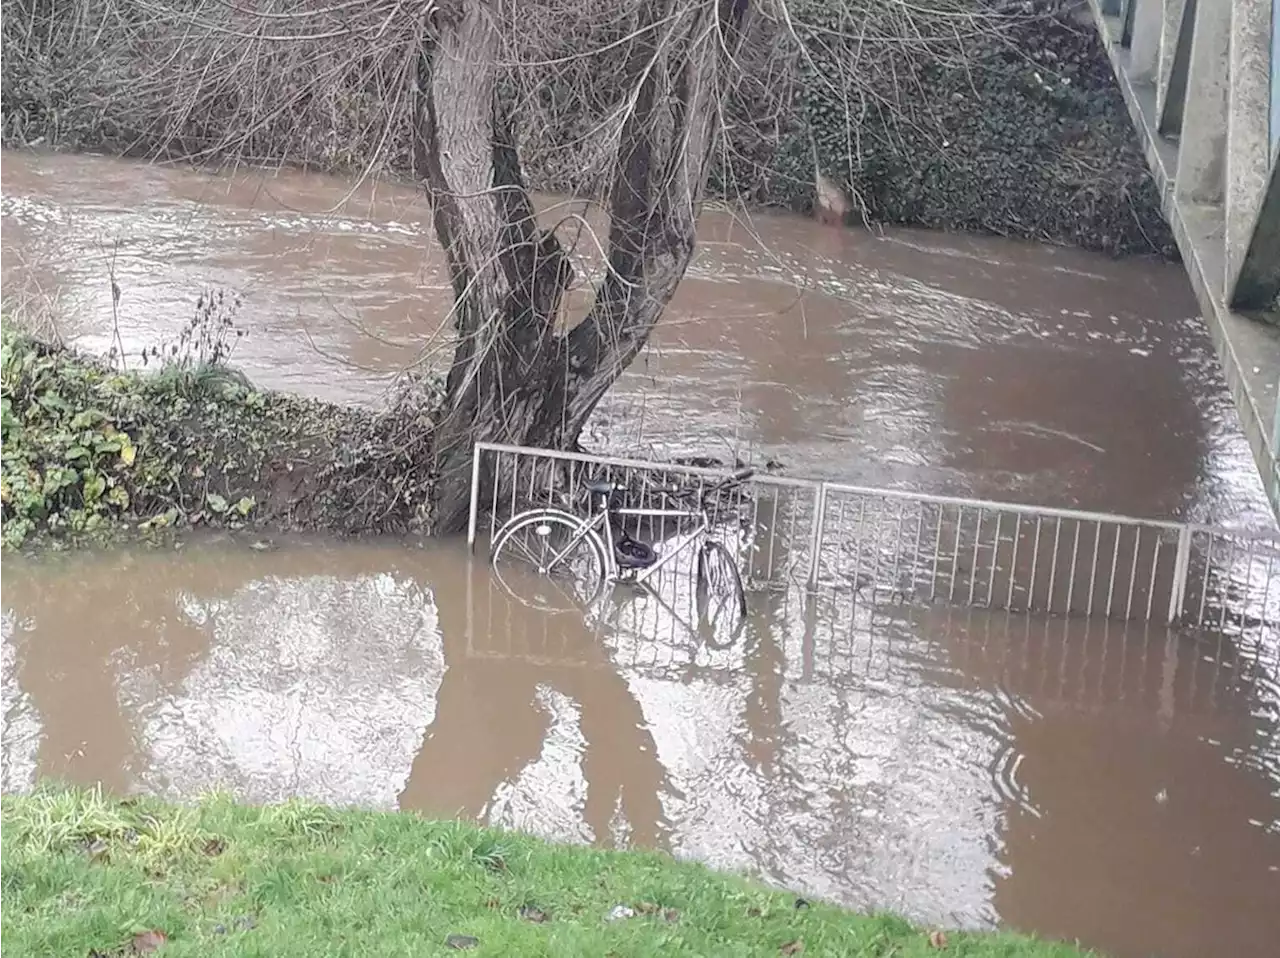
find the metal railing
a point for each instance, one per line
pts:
(893, 547)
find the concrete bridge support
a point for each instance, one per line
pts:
(1202, 82)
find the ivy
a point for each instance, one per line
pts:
(93, 453)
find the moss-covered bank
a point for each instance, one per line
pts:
(89, 451)
(85, 874)
(999, 116)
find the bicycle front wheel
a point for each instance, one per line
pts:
(549, 561)
(721, 599)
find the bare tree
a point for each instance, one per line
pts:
(648, 82)
(517, 376)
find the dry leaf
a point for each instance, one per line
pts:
(214, 847)
(938, 939)
(145, 942)
(793, 947)
(646, 908)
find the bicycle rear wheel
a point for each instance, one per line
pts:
(721, 599)
(546, 560)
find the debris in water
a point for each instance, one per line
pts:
(145, 942)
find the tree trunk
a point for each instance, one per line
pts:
(514, 378)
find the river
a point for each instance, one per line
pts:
(963, 767)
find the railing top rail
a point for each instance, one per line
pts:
(624, 463)
(1043, 512)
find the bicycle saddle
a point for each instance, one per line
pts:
(600, 487)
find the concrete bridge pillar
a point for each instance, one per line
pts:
(1202, 158)
(1253, 221)
(1201, 79)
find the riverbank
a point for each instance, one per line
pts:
(85, 873)
(93, 452)
(961, 115)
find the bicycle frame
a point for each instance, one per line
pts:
(602, 516)
(682, 542)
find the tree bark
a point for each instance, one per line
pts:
(513, 378)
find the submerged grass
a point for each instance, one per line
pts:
(85, 874)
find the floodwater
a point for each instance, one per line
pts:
(964, 767)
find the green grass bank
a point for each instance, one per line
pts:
(92, 452)
(85, 874)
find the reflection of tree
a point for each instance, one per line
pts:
(494, 711)
(313, 686)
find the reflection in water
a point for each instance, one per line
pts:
(20, 739)
(316, 686)
(962, 767)
(520, 802)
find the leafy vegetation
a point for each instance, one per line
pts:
(85, 874)
(1011, 125)
(91, 450)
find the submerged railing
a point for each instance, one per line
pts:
(888, 546)
(828, 637)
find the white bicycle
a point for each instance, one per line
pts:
(567, 559)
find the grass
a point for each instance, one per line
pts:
(85, 874)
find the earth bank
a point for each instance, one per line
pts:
(91, 451)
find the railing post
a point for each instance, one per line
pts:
(474, 516)
(1181, 565)
(815, 537)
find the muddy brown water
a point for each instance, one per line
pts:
(1120, 787)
